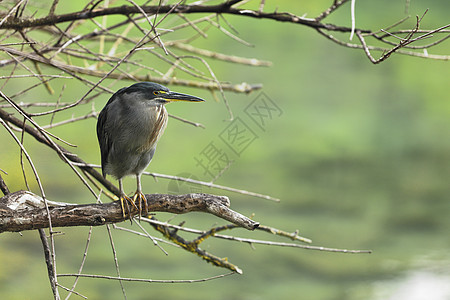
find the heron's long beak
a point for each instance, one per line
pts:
(174, 96)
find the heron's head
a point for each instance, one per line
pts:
(152, 93)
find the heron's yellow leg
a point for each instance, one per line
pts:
(125, 201)
(139, 198)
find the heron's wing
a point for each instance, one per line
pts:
(103, 135)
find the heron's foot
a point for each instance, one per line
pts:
(125, 202)
(140, 202)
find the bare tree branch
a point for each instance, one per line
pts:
(145, 280)
(3, 186)
(127, 10)
(48, 261)
(24, 210)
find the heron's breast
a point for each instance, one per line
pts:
(154, 125)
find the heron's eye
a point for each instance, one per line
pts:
(156, 93)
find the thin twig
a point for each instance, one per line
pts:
(34, 75)
(381, 49)
(71, 120)
(147, 280)
(58, 103)
(53, 7)
(223, 57)
(155, 242)
(144, 235)
(83, 260)
(71, 292)
(187, 121)
(116, 262)
(22, 165)
(212, 185)
(293, 245)
(3, 187)
(330, 10)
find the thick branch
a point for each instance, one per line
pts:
(24, 210)
(48, 261)
(126, 10)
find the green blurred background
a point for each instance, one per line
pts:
(360, 158)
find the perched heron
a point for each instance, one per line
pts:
(128, 129)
